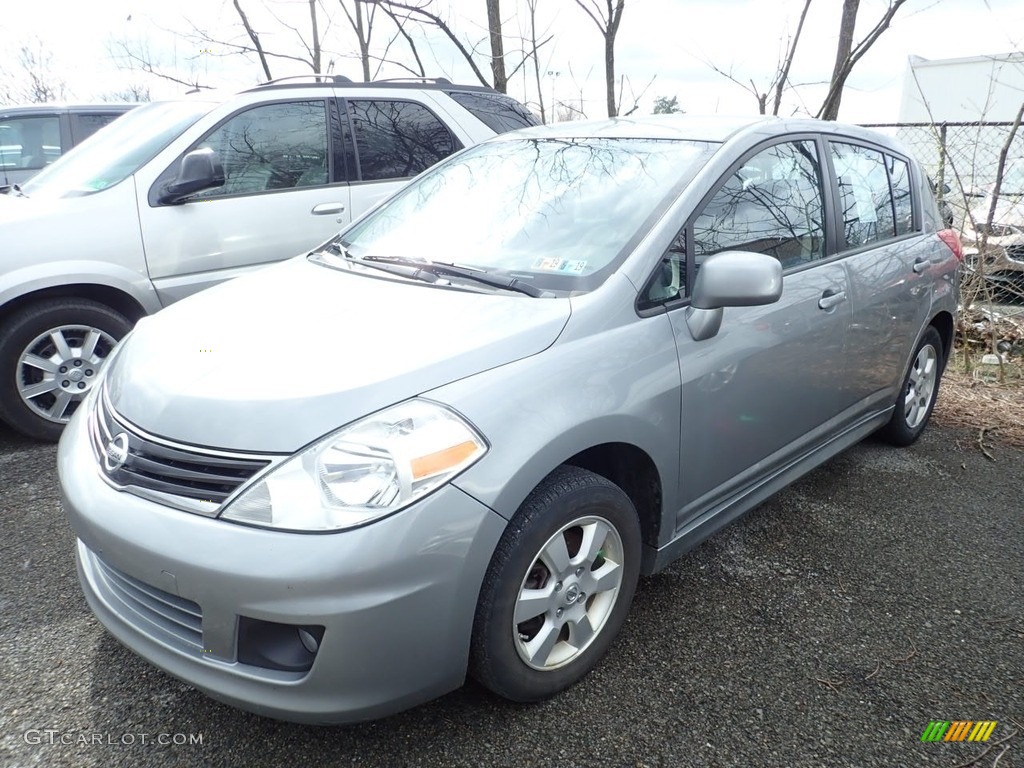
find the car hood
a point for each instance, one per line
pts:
(1009, 211)
(274, 360)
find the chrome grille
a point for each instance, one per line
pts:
(153, 610)
(186, 477)
(1015, 251)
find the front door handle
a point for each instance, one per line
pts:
(831, 299)
(921, 264)
(327, 209)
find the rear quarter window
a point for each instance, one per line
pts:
(498, 112)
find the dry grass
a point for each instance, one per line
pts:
(995, 410)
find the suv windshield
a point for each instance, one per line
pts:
(558, 212)
(116, 152)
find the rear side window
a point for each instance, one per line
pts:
(874, 194)
(398, 139)
(85, 125)
(899, 175)
(498, 112)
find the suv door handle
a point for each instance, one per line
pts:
(831, 299)
(921, 264)
(326, 209)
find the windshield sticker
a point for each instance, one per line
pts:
(551, 264)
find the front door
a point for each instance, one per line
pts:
(277, 200)
(759, 393)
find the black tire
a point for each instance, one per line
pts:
(916, 400)
(22, 331)
(500, 647)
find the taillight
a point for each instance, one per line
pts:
(952, 239)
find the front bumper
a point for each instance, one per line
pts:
(396, 598)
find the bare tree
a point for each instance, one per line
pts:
(781, 77)
(847, 54)
(36, 82)
(531, 6)
(424, 13)
(255, 38)
(497, 45)
(608, 23)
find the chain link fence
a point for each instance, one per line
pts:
(961, 158)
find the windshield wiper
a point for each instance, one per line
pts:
(445, 269)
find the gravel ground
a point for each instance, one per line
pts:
(826, 628)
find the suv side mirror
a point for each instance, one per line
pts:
(731, 279)
(200, 169)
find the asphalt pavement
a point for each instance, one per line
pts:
(826, 628)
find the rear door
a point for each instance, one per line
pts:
(285, 192)
(888, 260)
(394, 139)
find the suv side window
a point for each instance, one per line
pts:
(84, 125)
(397, 139)
(271, 147)
(865, 197)
(29, 143)
(498, 112)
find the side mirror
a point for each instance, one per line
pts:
(200, 169)
(731, 279)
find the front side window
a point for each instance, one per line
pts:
(398, 139)
(772, 204)
(271, 147)
(865, 198)
(29, 143)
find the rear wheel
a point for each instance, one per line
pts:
(50, 355)
(917, 396)
(558, 588)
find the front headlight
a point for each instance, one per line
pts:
(371, 468)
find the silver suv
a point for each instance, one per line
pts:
(178, 196)
(452, 439)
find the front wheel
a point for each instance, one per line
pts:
(558, 588)
(50, 355)
(917, 396)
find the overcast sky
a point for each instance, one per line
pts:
(675, 42)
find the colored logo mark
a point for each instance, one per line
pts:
(958, 730)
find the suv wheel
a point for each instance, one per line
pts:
(50, 355)
(558, 588)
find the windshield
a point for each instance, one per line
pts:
(561, 213)
(114, 153)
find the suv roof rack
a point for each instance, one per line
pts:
(437, 80)
(315, 78)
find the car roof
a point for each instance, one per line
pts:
(714, 128)
(51, 108)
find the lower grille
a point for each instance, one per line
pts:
(1015, 252)
(154, 611)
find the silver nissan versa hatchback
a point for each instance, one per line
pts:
(451, 439)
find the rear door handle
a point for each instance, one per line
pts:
(326, 209)
(831, 299)
(921, 264)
